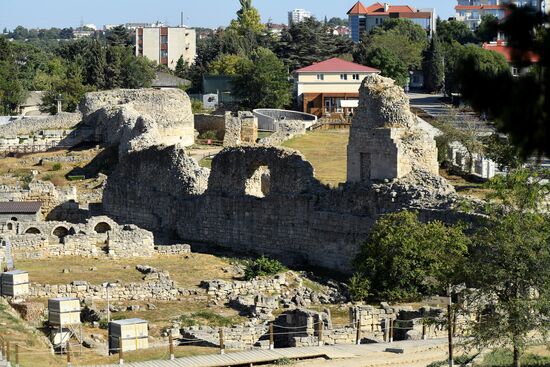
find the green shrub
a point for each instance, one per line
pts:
(262, 266)
(359, 287)
(283, 362)
(47, 177)
(196, 105)
(210, 134)
(76, 178)
(57, 167)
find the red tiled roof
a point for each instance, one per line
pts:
(336, 65)
(507, 52)
(21, 207)
(358, 8)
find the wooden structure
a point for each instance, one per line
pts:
(130, 334)
(15, 283)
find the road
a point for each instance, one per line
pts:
(432, 105)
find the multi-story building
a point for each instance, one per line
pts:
(298, 15)
(471, 11)
(363, 19)
(330, 87)
(165, 45)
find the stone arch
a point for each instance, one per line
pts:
(233, 168)
(10, 226)
(102, 227)
(60, 232)
(32, 230)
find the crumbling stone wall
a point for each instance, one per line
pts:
(386, 141)
(289, 214)
(240, 128)
(29, 125)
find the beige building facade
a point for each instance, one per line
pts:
(165, 45)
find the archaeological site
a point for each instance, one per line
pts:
(133, 221)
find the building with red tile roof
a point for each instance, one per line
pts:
(363, 19)
(330, 87)
(511, 57)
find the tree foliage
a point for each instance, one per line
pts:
(487, 31)
(262, 266)
(262, 81)
(308, 42)
(434, 66)
(449, 31)
(225, 65)
(248, 19)
(522, 105)
(405, 259)
(395, 47)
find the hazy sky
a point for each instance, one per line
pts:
(206, 13)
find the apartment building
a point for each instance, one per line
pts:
(298, 15)
(471, 11)
(363, 19)
(165, 45)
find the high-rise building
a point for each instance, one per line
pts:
(471, 11)
(363, 19)
(298, 15)
(166, 45)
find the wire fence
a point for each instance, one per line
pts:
(18, 353)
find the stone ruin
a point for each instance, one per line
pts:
(266, 200)
(386, 141)
(240, 128)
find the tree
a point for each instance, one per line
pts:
(113, 66)
(308, 42)
(395, 47)
(118, 36)
(137, 72)
(12, 92)
(95, 66)
(405, 259)
(225, 65)
(509, 268)
(71, 90)
(449, 31)
(182, 68)
(487, 30)
(262, 81)
(434, 67)
(498, 149)
(525, 98)
(248, 19)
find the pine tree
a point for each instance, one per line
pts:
(434, 67)
(113, 78)
(182, 68)
(95, 66)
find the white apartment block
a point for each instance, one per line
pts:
(298, 15)
(165, 45)
(471, 11)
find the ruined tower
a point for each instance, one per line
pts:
(386, 141)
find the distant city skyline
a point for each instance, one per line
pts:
(211, 14)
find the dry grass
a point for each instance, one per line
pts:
(465, 187)
(326, 150)
(186, 272)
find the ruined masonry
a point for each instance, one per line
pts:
(266, 200)
(385, 139)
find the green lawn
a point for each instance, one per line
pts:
(326, 150)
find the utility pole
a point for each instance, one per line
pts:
(450, 327)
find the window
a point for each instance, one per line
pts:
(163, 39)
(355, 76)
(343, 76)
(320, 76)
(163, 53)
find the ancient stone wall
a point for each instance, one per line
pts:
(29, 125)
(240, 128)
(386, 141)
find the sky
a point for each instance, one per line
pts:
(197, 13)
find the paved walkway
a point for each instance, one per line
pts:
(337, 352)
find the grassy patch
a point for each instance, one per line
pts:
(206, 162)
(211, 318)
(326, 150)
(504, 358)
(186, 272)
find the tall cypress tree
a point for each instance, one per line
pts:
(113, 77)
(434, 67)
(95, 66)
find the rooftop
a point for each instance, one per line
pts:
(129, 321)
(380, 9)
(20, 207)
(337, 65)
(502, 48)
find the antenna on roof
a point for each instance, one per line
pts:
(181, 23)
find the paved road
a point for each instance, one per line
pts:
(432, 105)
(414, 352)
